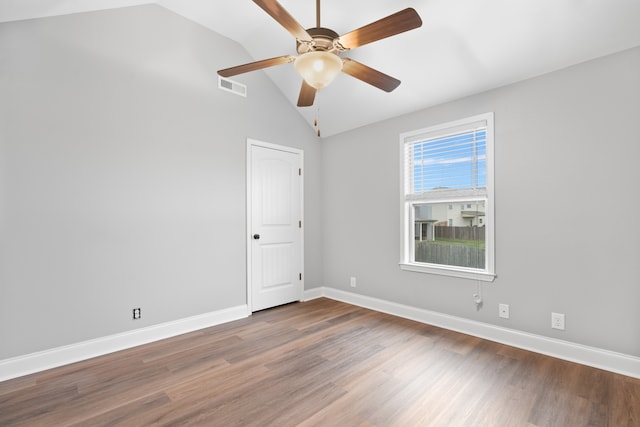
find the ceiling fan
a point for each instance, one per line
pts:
(319, 48)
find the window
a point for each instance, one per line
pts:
(442, 166)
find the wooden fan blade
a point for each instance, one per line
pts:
(307, 95)
(399, 22)
(258, 65)
(369, 75)
(280, 14)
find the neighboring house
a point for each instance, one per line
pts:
(432, 215)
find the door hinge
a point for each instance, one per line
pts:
(300, 276)
(299, 224)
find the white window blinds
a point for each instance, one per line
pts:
(446, 162)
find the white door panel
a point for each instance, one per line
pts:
(275, 215)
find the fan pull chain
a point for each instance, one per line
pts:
(316, 120)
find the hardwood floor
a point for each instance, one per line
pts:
(322, 363)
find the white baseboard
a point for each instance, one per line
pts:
(313, 294)
(43, 360)
(590, 356)
(598, 358)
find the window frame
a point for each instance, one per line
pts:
(407, 232)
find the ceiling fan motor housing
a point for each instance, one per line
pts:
(322, 40)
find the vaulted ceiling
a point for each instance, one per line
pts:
(463, 47)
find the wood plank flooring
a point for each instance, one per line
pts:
(322, 363)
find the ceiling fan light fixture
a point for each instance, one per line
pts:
(318, 48)
(318, 68)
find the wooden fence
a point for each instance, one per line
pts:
(460, 233)
(458, 255)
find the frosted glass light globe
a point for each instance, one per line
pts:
(318, 68)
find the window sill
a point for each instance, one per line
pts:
(458, 272)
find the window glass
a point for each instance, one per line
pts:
(453, 238)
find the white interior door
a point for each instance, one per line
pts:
(274, 203)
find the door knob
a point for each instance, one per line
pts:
(256, 236)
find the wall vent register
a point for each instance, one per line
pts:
(232, 86)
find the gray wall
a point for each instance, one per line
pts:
(566, 153)
(122, 174)
(122, 179)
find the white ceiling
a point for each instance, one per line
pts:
(463, 47)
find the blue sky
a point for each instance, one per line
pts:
(449, 162)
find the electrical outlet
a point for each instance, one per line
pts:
(353, 282)
(557, 321)
(137, 313)
(503, 311)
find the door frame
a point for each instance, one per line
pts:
(268, 145)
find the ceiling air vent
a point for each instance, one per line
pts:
(231, 86)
